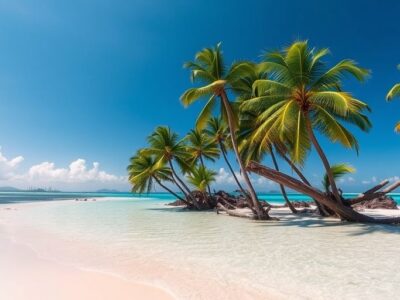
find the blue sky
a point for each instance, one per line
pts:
(89, 80)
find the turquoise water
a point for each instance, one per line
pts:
(195, 253)
(11, 197)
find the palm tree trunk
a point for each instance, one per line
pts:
(181, 188)
(206, 199)
(202, 163)
(184, 186)
(261, 213)
(322, 211)
(324, 160)
(230, 168)
(170, 191)
(177, 177)
(291, 207)
(345, 212)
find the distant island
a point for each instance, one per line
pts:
(30, 189)
(48, 190)
(9, 189)
(107, 191)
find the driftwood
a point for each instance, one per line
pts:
(374, 192)
(345, 212)
(240, 214)
(235, 213)
(378, 203)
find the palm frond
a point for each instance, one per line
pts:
(397, 127)
(333, 76)
(193, 94)
(394, 92)
(205, 113)
(330, 127)
(338, 170)
(201, 177)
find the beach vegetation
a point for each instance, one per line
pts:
(280, 107)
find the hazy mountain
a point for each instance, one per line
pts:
(9, 189)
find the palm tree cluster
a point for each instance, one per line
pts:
(279, 107)
(168, 158)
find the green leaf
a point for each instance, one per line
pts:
(394, 92)
(205, 113)
(338, 170)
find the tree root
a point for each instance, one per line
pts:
(345, 212)
(374, 192)
(252, 216)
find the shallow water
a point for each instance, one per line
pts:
(191, 253)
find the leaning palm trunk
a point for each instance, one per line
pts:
(223, 150)
(345, 212)
(170, 191)
(261, 213)
(322, 211)
(324, 160)
(189, 198)
(283, 191)
(188, 193)
(208, 186)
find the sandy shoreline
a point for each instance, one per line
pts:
(27, 272)
(23, 274)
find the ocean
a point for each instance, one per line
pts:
(11, 197)
(142, 239)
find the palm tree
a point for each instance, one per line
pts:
(167, 148)
(208, 68)
(303, 95)
(338, 170)
(143, 170)
(217, 130)
(394, 92)
(201, 178)
(201, 147)
(255, 150)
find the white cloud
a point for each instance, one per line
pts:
(225, 178)
(347, 179)
(375, 180)
(394, 178)
(77, 171)
(8, 166)
(78, 174)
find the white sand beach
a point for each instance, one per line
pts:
(49, 252)
(23, 276)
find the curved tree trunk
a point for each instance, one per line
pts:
(322, 211)
(182, 190)
(291, 207)
(206, 199)
(234, 212)
(188, 193)
(170, 191)
(261, 213)
(202, 163)
(324, 160)
(345, 212)
(223, 150)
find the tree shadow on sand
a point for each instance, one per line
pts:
(312, 222)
